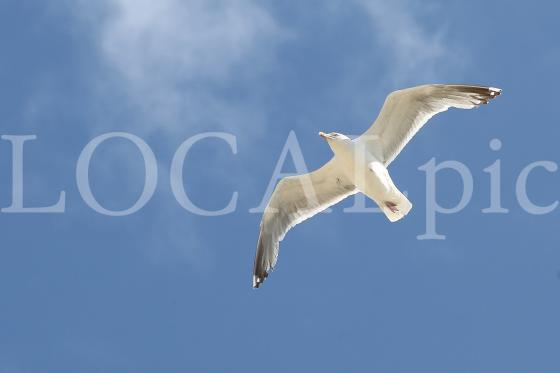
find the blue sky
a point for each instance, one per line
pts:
(166, 290)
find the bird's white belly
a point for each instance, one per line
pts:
(367, 173)
(374, 181)
(370, 176)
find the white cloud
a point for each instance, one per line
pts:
(174, 59)
(170, 39)
(414, 54)
(170, 65)
(171, 58)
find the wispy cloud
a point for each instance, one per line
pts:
(181, 67)
(414, 54)
(175, 60)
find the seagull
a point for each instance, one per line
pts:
(359, 165)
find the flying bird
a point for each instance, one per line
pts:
(359, 165)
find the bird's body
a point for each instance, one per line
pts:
(359, 165)
(363, 169)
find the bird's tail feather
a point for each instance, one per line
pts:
(396, 207)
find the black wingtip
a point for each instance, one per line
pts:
(482, 94)
(259, 279)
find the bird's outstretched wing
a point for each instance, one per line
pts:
(295, 199)
(406, 111)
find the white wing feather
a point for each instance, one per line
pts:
(295, 199)
(406, 111)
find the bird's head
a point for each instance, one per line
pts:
(333, 136)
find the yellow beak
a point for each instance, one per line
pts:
(323, 135)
